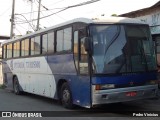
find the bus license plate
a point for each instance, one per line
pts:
(131, 94)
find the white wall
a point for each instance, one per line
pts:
(153, 20)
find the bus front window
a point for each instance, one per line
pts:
(121, 49)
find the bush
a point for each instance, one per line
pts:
(2, 86)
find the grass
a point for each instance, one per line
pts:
(2, 86)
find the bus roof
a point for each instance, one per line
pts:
(108, 20)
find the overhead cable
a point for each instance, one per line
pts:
(65, 8)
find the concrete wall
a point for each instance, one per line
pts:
(149, 15)
(153, 19)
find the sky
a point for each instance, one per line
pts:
(24, 8)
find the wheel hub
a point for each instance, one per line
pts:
(66, 95)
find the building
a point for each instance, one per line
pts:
(2, 38)
(150, 15)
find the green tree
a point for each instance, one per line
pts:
(115, 15)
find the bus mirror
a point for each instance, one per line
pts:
(87, 44)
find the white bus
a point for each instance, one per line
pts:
(84, 62)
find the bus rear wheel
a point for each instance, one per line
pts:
(16, 86)
(66, 97)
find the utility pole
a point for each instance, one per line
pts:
(12, 20)
(38, 19)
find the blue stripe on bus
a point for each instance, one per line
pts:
(62, 64)
(63, 67)
(125, 79)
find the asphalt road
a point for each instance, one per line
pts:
(28, 102)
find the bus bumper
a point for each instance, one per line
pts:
(123, 94)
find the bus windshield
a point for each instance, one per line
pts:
(122, 49)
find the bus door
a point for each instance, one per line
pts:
(157, 44)
(82, 64)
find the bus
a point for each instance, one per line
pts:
(84, 62)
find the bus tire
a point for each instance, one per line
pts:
(16, 86)
(66, 96)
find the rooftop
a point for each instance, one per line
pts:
(156, 5)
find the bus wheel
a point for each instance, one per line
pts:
(16, 86)
(66, 97)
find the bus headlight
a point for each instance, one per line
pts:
(153, 82)
(104, 86)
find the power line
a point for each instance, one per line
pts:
(56, 2)
(5, 11)
(18, 31)
(41, 11)
(47, 9)
(65, 8)
(26, 20)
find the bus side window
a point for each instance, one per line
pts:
(158, 50)
(64, 37)
(44, 44)
(4, 51)
(16, 49)
(25, 47)
(50, 42)
(9, 50)
(32, 46)
(35, 45)
(60, 42)
(76, 48)
(67, 39)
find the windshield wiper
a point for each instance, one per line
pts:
(113, 39)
